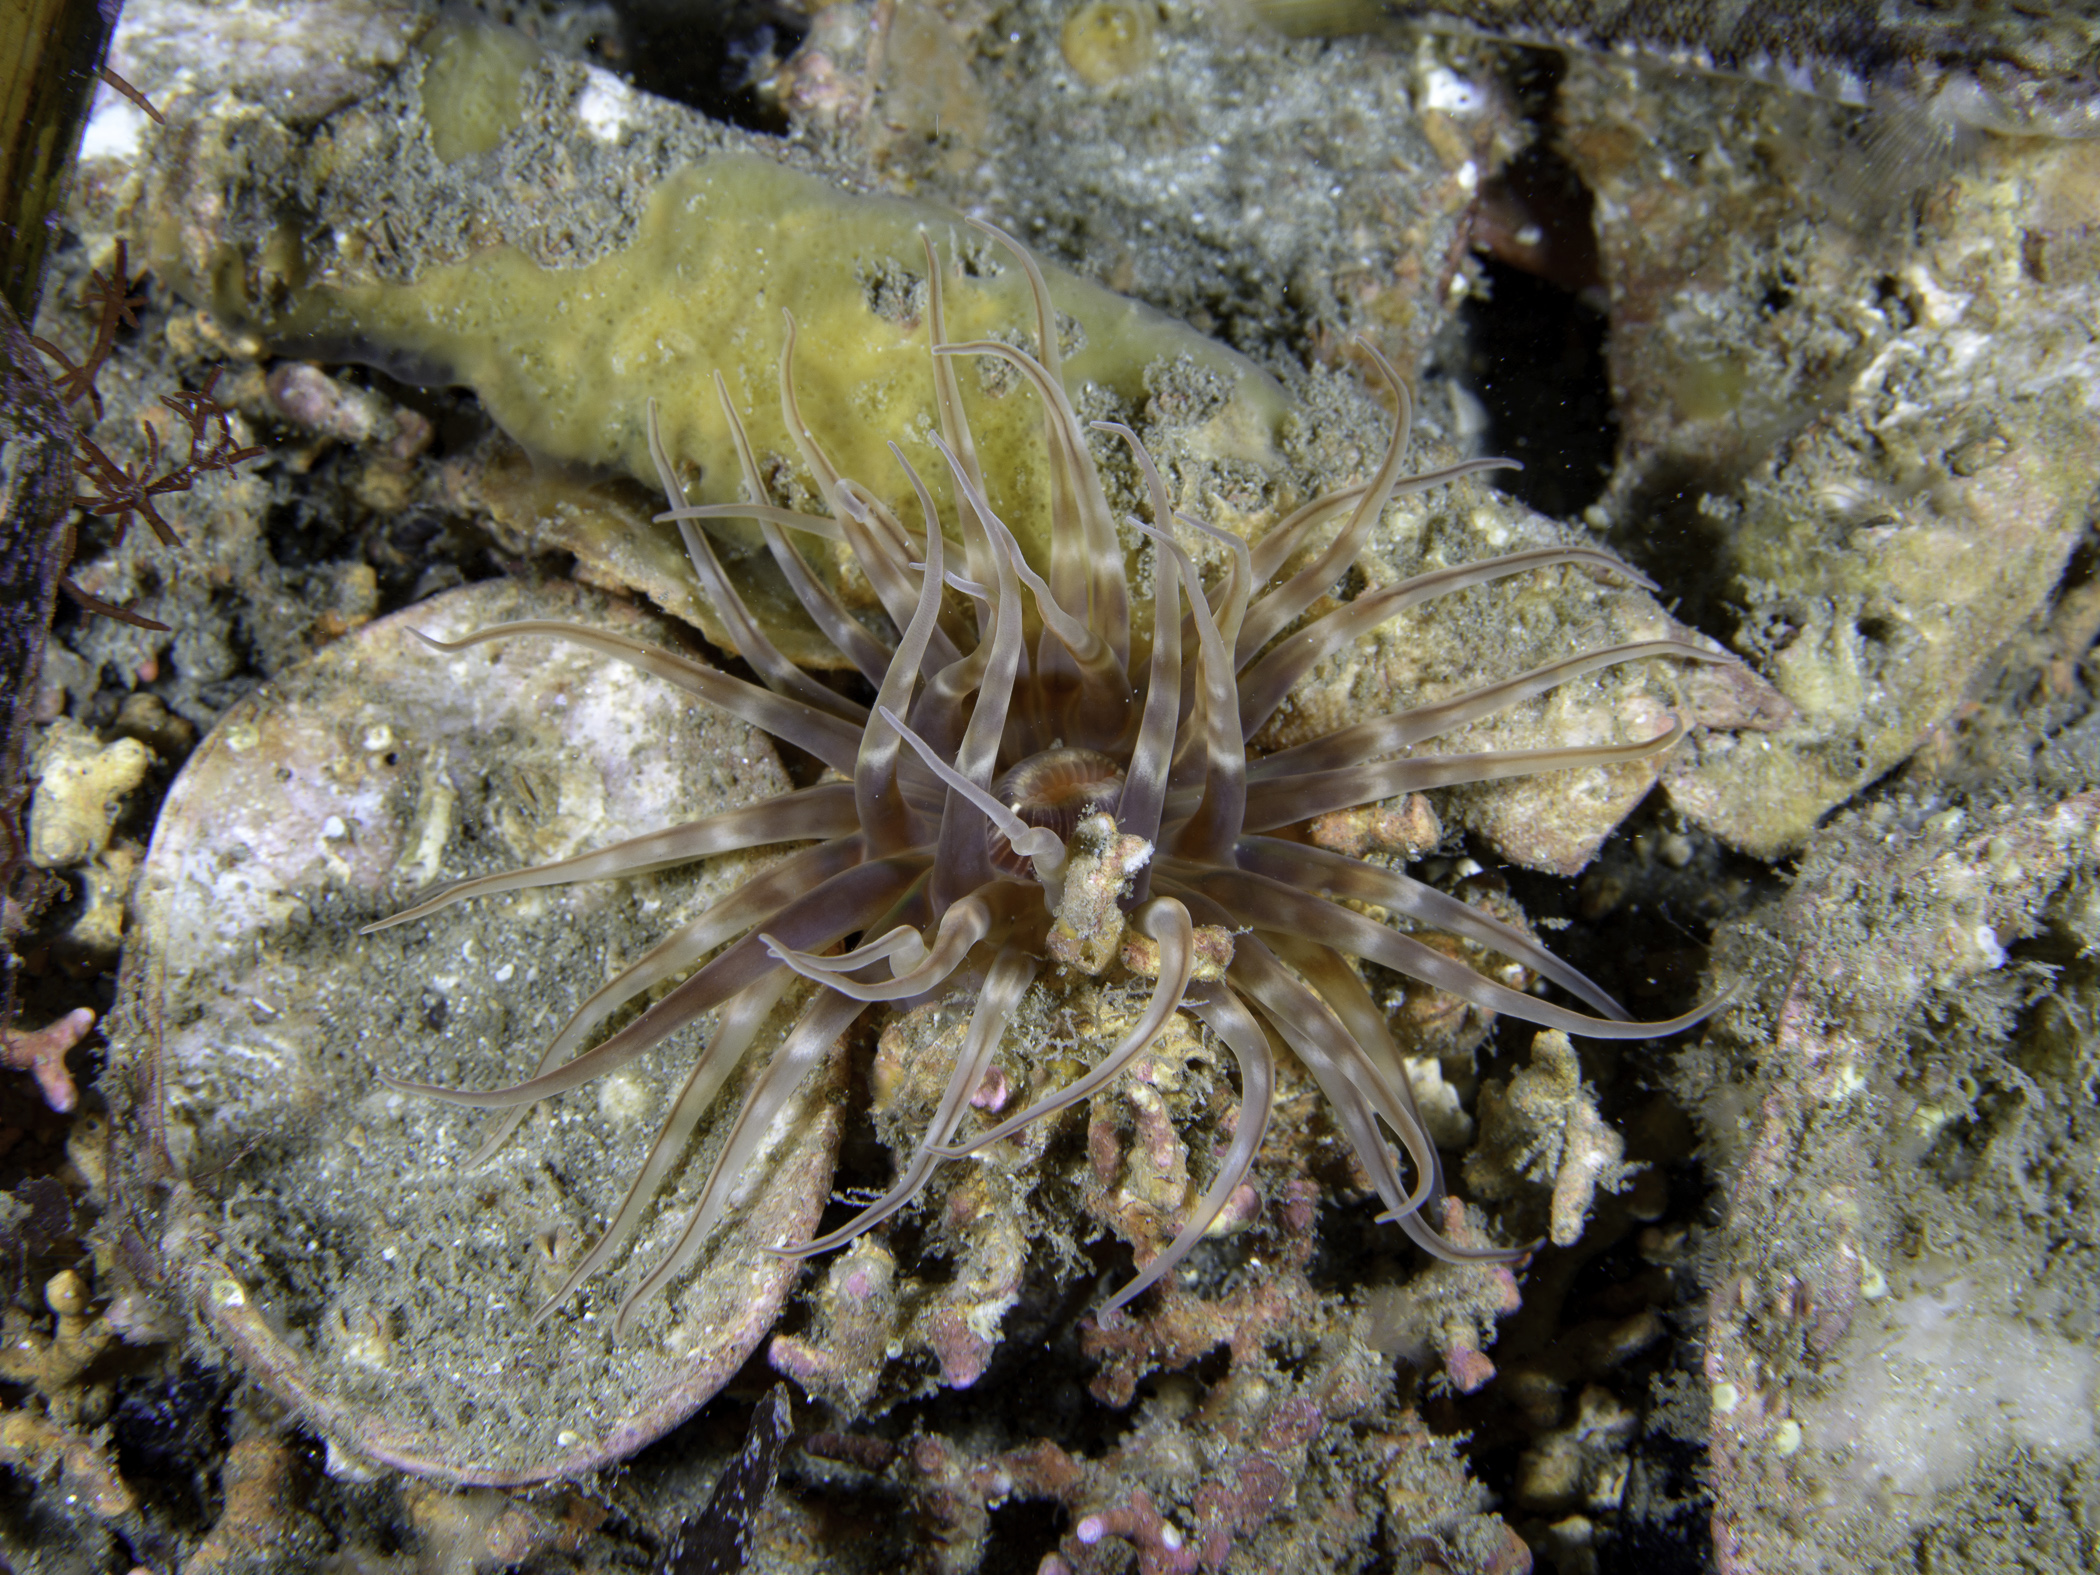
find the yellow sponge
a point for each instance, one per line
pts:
(566, 360)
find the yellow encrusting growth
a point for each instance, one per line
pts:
(471, 86)
(568, 360)
(1105, 41)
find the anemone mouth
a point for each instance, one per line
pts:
(918, 868)
(1052, 791)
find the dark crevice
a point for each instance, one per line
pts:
(1639, 919)
(168, 1435)
(1665, 527)
(1638, 922)
(1533, 339)
(1535, 361)
(713, 58)
(1023, 1530)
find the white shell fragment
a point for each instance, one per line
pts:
(326, 1228)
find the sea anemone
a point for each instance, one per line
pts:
(1036, 775)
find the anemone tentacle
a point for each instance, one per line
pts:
(1227, 1017)
(999, 717)
(1167, 922)
(863, 649)
(751, 641)
(830, 738)
(1329, 874)
(679, 952)
(1011, 973)
(1286, 800)
(1398, 730)
(800, 1053)
(742, 1018)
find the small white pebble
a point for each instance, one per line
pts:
(1089, 1530)
(378, 738)
(334, 829)
(1873, 1284)
(605, 106)
(622, 1099)
(1170, 1537)
(1451, 93)
(116, 128)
